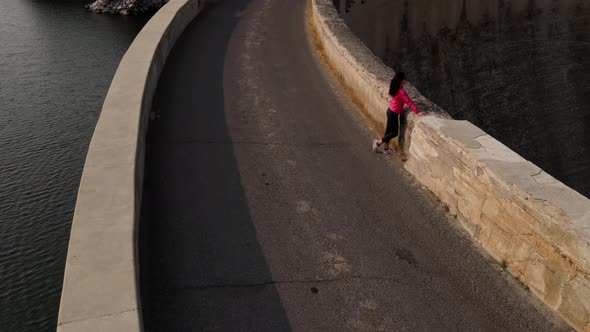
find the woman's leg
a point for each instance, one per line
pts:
(391, 129)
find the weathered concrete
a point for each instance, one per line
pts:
(536, 226)
(100, 291)
(467, 56)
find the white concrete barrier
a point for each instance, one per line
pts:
(537, 227)
(101, 290)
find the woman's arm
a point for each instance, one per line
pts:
(409, 101)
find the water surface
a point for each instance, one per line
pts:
(56, 64)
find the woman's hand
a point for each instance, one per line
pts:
(420, 114)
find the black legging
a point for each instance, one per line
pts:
(392, 126)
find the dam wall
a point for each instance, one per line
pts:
(518, 69)
(100, 290)
(532, 224)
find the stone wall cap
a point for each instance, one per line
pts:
(553, 203)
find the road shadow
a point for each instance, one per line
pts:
(201, 267)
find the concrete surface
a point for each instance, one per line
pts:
(264, 208)
(100, 291)
(530, 222)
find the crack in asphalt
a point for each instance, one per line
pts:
(287, 282)
(300, 145)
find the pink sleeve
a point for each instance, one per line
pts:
(408, 101)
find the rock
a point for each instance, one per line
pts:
(125, 7)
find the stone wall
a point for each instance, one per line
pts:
(101, 291)
(538, 228)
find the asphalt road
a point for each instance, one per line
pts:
(265, 210)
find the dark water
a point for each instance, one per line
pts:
(56, 64)
(518, 69)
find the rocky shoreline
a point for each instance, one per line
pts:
(125, 7)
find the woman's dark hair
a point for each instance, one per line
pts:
(396, 83)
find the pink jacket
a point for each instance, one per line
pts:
(398, 101)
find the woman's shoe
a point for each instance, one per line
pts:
(388, 151)
(376, 147)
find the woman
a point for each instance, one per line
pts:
(399, 97)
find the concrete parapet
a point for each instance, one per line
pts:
(100, 290)
(538, 228)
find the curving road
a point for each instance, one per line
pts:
(264, 209)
